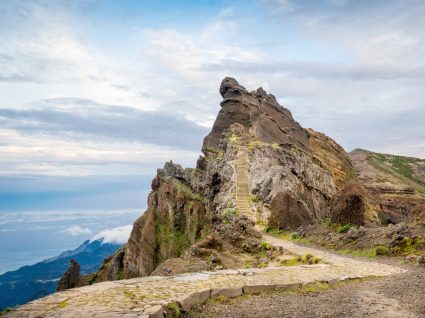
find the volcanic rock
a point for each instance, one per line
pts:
(70, 278)
(289, 174)
(349, 205)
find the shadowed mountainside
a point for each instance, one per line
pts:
(396, 184)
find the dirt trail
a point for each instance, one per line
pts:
(395, 296)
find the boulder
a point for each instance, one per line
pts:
(288, 213)
(349, 205)
(421, 260)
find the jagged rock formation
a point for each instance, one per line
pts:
(171, 224)
(395, 184)
(258, 163)
(70, 278)
(284, 158)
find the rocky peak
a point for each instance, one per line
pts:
(229, 87)
(292, 170)
(260, 116)
(174, 170)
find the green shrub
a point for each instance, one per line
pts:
(407, 246)
(254, 198)
(228, 214)
(234, 137)
(262, 265)
(302, 259)
(328, 222)
(168, 238)
(382, 250)
(273, 231)
(187, 190)
(308, 256)
(254, 145)
(343, 228)
(266, 246)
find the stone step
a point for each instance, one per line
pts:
(242, 183)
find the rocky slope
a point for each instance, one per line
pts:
(395, 184)
(292, 174)
(171, 224)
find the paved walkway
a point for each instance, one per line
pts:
(147, 296)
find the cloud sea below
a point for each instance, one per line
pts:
(28, 237)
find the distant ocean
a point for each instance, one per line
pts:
(31, 236)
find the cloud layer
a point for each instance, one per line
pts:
(95, 88)
(118, 235)
(77, 230)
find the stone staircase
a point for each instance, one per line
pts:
(242, 190)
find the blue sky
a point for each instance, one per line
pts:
(95, 95)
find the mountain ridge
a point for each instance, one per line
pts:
(30, 282)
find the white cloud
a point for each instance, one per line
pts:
(77, 230)
(46, 155)
(117, 235)
(330, 62)
(52, 50)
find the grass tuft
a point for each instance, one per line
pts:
(63, 304)
(173, 310)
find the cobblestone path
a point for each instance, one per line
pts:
(148, 296)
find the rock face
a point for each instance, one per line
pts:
(173, 220)
(292, 175)
(328, 154)
(70, 278)
(349, 205)
(395, 184)
(288, 213)
(284, 158)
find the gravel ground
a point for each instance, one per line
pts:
(400, 296)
